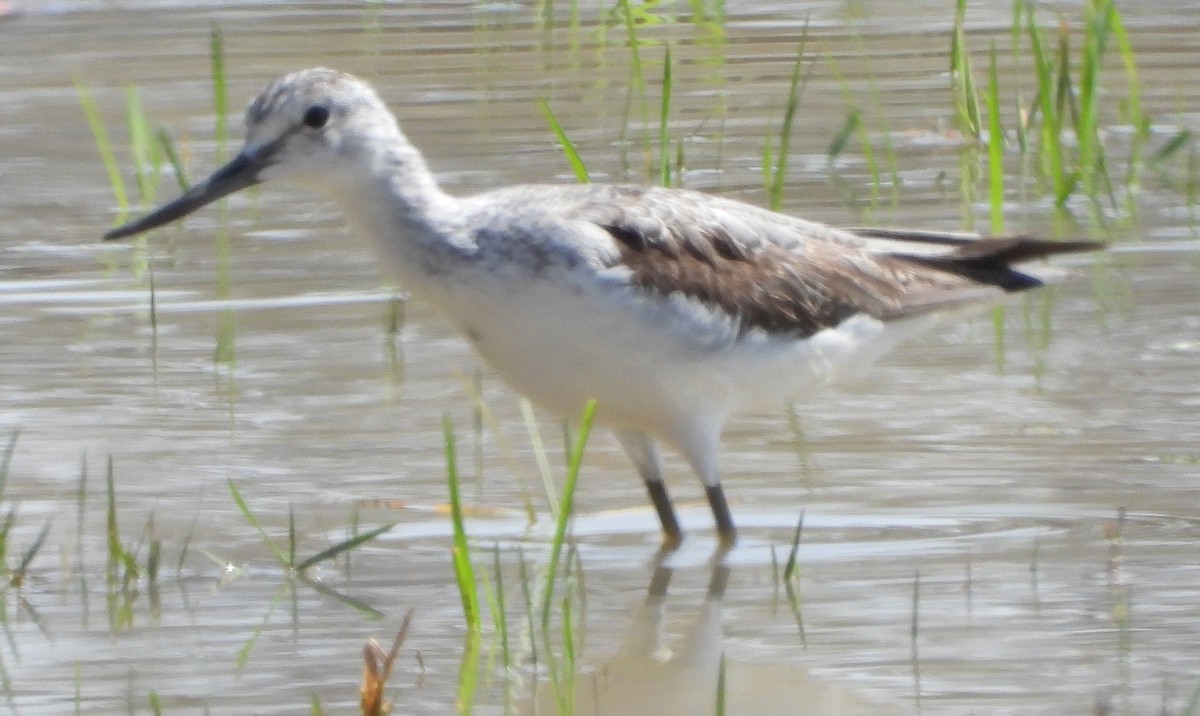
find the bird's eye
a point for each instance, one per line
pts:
(316, 116)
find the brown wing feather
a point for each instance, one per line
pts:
(790, 277)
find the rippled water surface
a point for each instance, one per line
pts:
(961, 549)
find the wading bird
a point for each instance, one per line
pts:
(673, 309)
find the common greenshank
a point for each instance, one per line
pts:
(673, 309)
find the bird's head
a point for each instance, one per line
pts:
(308, 127)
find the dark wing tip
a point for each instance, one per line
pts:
(990, 261)
(1015, 249)
(1010, 248)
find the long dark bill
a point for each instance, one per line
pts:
(238, 174)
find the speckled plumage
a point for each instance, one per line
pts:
(673, 309)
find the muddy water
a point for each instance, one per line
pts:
(975, 502)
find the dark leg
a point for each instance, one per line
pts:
(642, 450)
(720, 509)
(672, 534)
(699, 445)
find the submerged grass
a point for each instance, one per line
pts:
(123, 574)
(566, 507)
(857, 124)
(143, 146)
(6, 460)
(720, 705)
(554, 646)
(287, 558)
(1060, 134)
(104, 146)
(15, 576)
(499, 609)
(1063, 129)
(464, 573)
(150, 149)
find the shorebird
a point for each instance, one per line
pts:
(673, 309)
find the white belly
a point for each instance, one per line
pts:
(657, 367)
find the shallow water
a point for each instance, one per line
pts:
(990, 493)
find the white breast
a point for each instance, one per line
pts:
(655, 365)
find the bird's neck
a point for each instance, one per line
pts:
(398, 205)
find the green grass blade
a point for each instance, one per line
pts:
(356, 604)
(243, 654)
(464, 573)
(18, 574)
(6, 460)
(566, 507)
(245, 509)
(341, 547)
(183, 550)
(168, 149)
(792, 590)
(1064, 91)
(568, 147)
(5, 528)
(139, 147)
(80, 507)
(291, 535)
(1050, 146)
(1098, 23)
(635, 54)
(1133, 102)
(501, 619)
(849, 127)
(962, 82)
(100, 134)
(720, 709)
(539, 456)
(468, 673)
(569, 668)
(664, 124)
(995, 149)
(789, 568)
(220, 90)
(111, 528)
(795, 90)
(1165, 152)
(633, 18)
(1018, 12)
(1191, 187)
(154, 554)
(864, 135)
